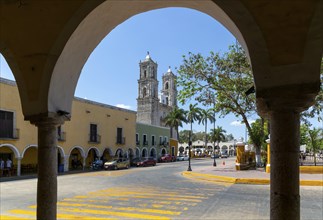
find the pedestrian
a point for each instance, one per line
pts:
(9, 165)
(1, 166)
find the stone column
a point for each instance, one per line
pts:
(19, 166)
(284, 165)
(66, 163)
(282, 105)
(47, 165)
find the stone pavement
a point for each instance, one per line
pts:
(225, 171)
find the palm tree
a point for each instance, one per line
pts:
(207, 114)
(218, 134)
(175, 119)
(193, 114)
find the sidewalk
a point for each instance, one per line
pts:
(225, 171)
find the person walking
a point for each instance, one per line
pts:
(9, 165)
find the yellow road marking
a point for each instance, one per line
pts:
(156, 211)
(121, 214)
(59, 216)
(5, 217)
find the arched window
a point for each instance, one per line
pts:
(145, 73)
(166, 85)
(144, 92)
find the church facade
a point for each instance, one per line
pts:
(153, 107)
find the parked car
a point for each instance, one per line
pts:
(224, 155)
(96, 165)
(167, 158)
(149, 161)
(214, 155)
(182, 158)
(117, 164)
(134, 161)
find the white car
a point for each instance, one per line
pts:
(182, 158)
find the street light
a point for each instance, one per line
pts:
(214, 162)
(189, 154)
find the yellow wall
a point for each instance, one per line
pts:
(108, 119)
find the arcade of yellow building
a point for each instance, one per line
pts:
(100, 131)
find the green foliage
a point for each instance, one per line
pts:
(259, 133)
(175, 119)
(225, 77)
(229, 137)
(184, 136)
(317, 109)
(218, 134)
(193, 114)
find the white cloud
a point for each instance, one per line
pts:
(123, 106)
(240, 123)
(236, 123)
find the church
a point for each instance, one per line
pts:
(152, 108)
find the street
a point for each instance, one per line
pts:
(159, 192)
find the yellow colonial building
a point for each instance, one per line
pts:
(95, 130)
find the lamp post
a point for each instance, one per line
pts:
(214, 162)
(189, 150)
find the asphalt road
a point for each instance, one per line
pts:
(159, 192)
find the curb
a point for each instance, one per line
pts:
(233, 180)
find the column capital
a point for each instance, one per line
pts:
(296, 98)
(48, 118)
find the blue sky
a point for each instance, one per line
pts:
(110, 75)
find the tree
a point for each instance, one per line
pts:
(218, 134)
(193, 114)
(260, 134)
(184, 136)
(175, 119)
(229, 137)
(206, 114)
(227, 76)
(315, 141)
(198, 135)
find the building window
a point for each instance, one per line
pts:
(144, 137)
(7, 125)
(60, 134)
(137, 139)
(120, 138)
(166, 100)
(153, 140)
(166, 85)
(94, 137)
(145, 73)
(160, 140)
(144, 92)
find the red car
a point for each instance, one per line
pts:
(167, 158)
(149, 161)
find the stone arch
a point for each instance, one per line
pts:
(163, 151)
(80, 149)
(13, 148)
(97, 151)
(73, 53)
(137, 152)
(153, 152)
(144, 152)
(181, 150)
(107, 154)
(26, 148)
(61, 151)
(119, 153)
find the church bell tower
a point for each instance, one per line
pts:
(147, 101)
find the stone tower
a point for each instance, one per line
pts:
(169, 89)
(147, 101)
